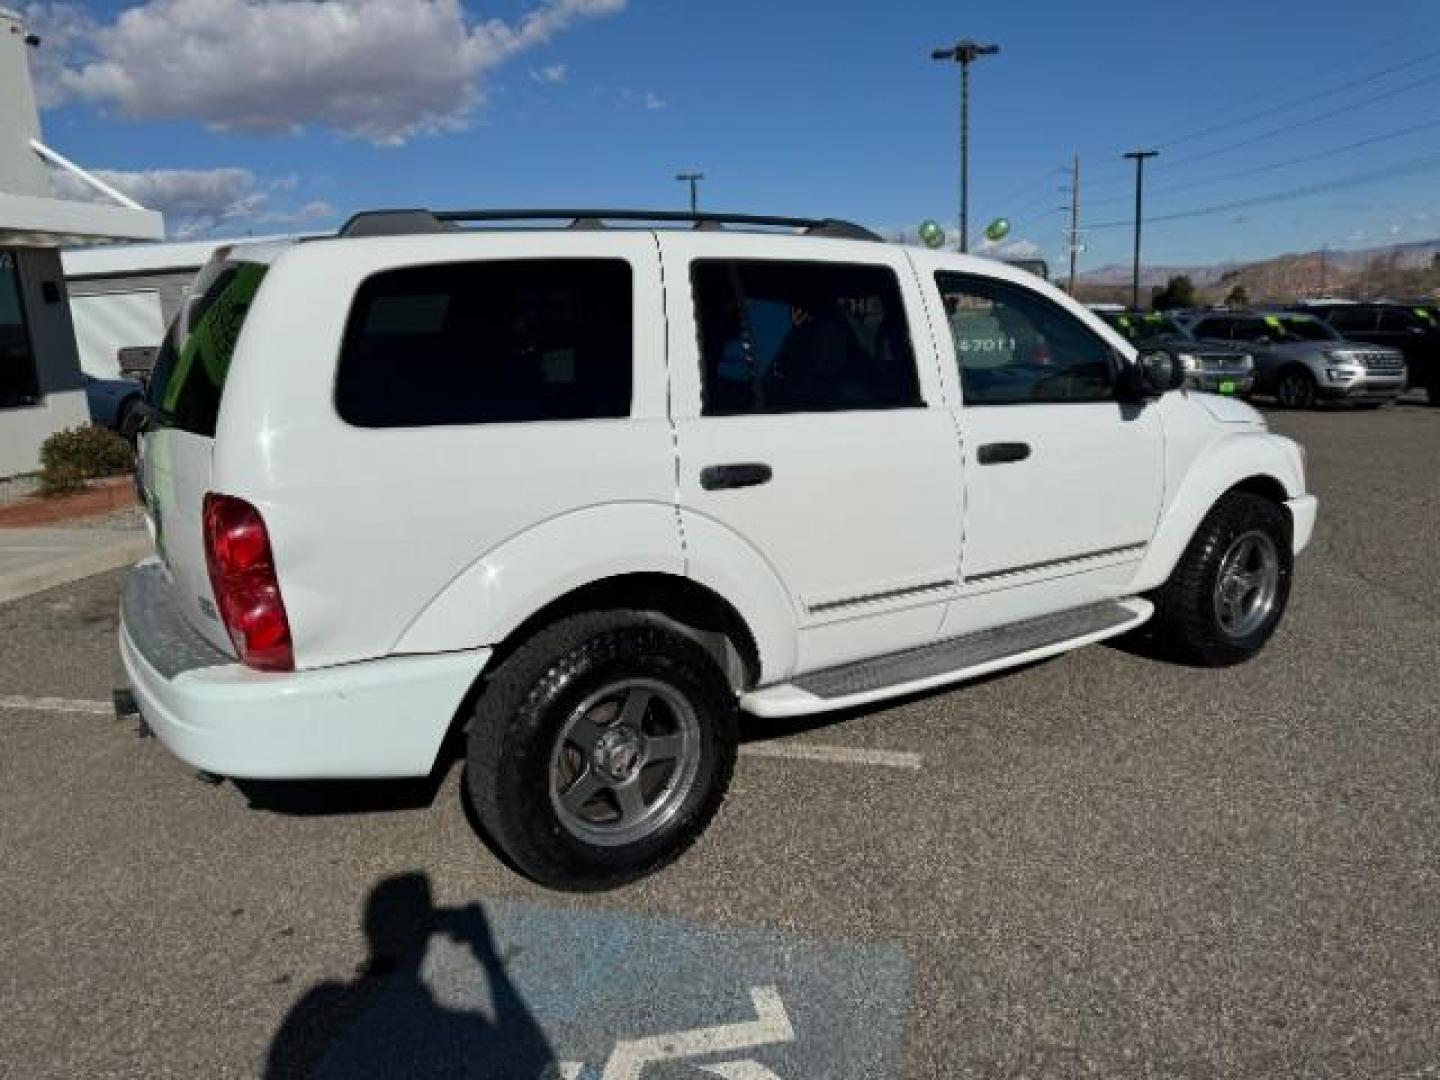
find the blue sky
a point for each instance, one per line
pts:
(790, 106)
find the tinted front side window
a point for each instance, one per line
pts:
(779, 337)
(488, 343)
(1015, 346)
(194, 359)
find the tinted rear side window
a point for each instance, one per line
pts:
(194, 359)
(489, 343)
(780, 337)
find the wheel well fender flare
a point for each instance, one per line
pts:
(1232, 465)
(630, 555)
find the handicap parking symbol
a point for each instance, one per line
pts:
(506, 990)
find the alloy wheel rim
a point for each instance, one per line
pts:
(1247, 585)
(624, 762)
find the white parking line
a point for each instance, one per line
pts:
(794, 751)
(833, 755)
(56, 704)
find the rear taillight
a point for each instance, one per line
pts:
(247, 591)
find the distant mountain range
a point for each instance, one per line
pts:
(1416, 253)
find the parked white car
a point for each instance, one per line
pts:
(588, 491)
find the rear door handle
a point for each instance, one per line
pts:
(746, 474)
(998, 453)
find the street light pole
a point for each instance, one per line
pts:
(693, 179)
(1074, 221)
(1139, 157)
(964, 52)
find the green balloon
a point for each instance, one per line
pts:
(931, 234)
(997, 229)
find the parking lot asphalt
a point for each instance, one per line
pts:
(1101, 865)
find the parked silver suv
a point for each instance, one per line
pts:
(1301, 360)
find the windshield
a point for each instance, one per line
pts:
(194, 358)
(1152, 324)
(1298, 328)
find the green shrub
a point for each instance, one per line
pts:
(68, 458)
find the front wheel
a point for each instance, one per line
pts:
(1296, 389)
(1226, 595)
(600, 750)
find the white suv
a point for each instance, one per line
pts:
(585, 491)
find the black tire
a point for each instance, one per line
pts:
(1187, 625)
(128, 419)
(1295, 389)
(517, 732)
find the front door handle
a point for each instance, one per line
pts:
(999, 453)
(747, 474)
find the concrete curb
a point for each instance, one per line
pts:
(125, 550)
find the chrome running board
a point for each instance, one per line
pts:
(944, 662)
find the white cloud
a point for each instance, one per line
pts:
(550, 73)
(1021, 249)
(199, 201)
(654, 100)
(1009, 249)
(381, 70)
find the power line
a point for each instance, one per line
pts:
(1020, 209)
(1328, 69)
(1274, 165)
(1296, 102)
(1119, 178)
(1416, 165)
(1292, 126)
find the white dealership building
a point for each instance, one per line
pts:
(41, 386)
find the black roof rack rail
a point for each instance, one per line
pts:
(407, 222)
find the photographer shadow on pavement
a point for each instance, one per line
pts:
(405, 1015)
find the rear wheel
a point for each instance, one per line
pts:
(1226, 595)
(1296, 389)
(600, 750)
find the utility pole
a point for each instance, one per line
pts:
(964, 52)
(693, 179)
(1074, 220)
(1139, 157)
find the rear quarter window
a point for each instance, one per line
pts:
(502, 341)
(194, 359)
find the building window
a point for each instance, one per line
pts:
(18, 382)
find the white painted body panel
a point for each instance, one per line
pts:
(380, 718)
(862, 517)
(370, 527)
(175, 467)
(1095, 476)
(1093, 483)
(405, 555)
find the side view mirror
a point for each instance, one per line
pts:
(136, 361)
(1152, 373)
